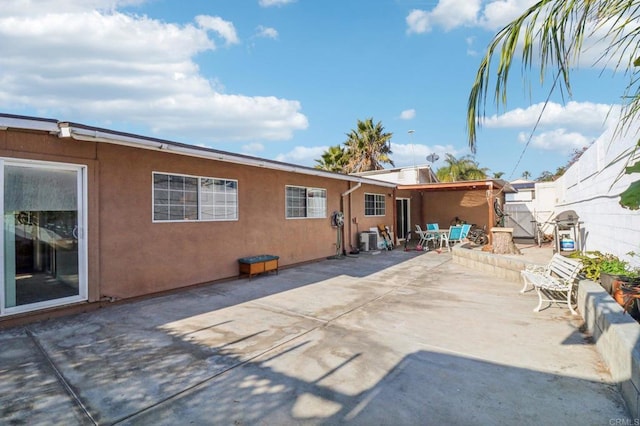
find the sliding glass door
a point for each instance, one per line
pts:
(44, 250)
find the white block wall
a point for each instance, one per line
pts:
(592, 186)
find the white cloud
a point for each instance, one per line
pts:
(302, 155)
(404, 155)
(496, 14)
(578, 115)
(557, 140)
(416, 154)
(447, 14)
(450, 14)
(269, 3)
(470, 43)
(84, 64)
(253, 148)
(36, 7)
(408, 114)
(266, 32)
(225, 29)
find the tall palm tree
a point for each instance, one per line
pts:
(332, 160)
(367, 147)
(526, 175)
(556, 30)
(464, 168)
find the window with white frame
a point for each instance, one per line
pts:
(374, 205)
(306, 202)
(180, 198)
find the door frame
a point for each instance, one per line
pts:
(82, 209)
(404, 216)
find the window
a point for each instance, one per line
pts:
(374, 205)
(306, 202)
(178, 198)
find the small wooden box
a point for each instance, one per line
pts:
(258, 264)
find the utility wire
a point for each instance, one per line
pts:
(535, 127)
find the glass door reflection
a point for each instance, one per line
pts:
(41, 260)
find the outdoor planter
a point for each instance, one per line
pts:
(606, 281)
(258, 264)
(626, 291)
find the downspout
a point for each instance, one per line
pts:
(344, 194)
(492, 218)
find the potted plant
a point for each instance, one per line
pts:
(612, 269)
(591, 261)
(625, 288)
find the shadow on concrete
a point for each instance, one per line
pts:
(214, 385)
(191, 358)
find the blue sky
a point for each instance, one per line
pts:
(286, 79)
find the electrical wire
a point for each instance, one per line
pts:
(535, 127)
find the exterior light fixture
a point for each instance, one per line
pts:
(65, 130)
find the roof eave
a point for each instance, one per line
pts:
(82, 132)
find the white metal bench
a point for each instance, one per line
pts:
(556, 278)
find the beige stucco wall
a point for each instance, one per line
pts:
(41, 146)
(130, 256)
(442, 206)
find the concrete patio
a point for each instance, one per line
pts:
(399, 337)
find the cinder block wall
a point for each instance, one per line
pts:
(592, 186)
(616, 336)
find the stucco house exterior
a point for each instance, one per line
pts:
(92, 215)
(421, 198)
(443, 202)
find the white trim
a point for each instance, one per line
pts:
(374, 207)
(86, 133)
(82, 221)
(199, 193)
(306, 194)
(2, 225)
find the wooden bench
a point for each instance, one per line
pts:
(556, 278)
(258, 264)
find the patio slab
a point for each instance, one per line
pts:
(399, 337)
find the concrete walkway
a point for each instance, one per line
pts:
(399, 338)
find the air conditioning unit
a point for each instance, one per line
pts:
(373, 241)
(364, 241)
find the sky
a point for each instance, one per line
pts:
(286, 79)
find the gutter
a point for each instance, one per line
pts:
(97, 135)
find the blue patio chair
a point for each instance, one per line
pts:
(465, 231)
(454, 236)
(433, 233)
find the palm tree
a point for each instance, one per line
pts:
(464, 168)
(526, 175)
(333, 159)
(555, 30)
(498, 175)
(367, 147)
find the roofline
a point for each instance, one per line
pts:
(395, 169)
(83, 132)
(462, 185)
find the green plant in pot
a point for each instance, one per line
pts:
(591, 261)
(611, 269)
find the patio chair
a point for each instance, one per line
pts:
(433, 233)
(465, 231)
(454, 235)
(424, 238)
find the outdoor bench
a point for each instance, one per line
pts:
(258, 264)
(558, 277)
